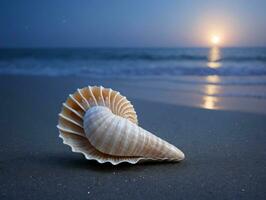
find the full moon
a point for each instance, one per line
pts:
(215, 39)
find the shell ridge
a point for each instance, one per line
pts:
(126, 143)
(118, 136)
(84, 99)
(109, 98)
(126, 107)
(71, 120)
(132, 119)
(113, 102)
(92, 95)
(72, 110)
(93, 130)
(163, 148)
(98, 120)
(101, 95)
(131, 160)
(93, 114)
(72, 116)
(129, 112)
(76, 101)
(70, 131)
(133, 145)
(105, 144)
(68, 125)
(147, 141)
(143, 139)
(118, 104)
(124, 104)
(151, 143)
(96, 141)
(95, 150)
(137, 148)
(160, 148)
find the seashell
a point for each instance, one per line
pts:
(102, 124)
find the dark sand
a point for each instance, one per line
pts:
(225, 151)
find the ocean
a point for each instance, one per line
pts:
(210, 72)
(122, 62)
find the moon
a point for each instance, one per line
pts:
(215, 39)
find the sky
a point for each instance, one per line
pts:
(131, 23)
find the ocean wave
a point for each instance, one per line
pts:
(107, 56)
(115, 70)
(221, 81)
(137, 63)
(127, 55)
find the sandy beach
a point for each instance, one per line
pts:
(225, 150)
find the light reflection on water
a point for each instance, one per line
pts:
(214, 57)
(209, 100)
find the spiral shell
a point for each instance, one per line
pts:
(102, 124)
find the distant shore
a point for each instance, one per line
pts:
(225, 150)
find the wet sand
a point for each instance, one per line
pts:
(225, 150)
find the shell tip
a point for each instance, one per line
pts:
(181, 155)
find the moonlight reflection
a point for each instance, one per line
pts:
(210, 99)
(214, 57)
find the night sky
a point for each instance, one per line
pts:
(131, 23)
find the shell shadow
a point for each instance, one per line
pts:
(63, 160)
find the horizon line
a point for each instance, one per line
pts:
(127, 47)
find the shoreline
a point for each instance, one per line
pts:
(202, 96)
(225, 150)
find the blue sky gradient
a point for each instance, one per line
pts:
(127, 23)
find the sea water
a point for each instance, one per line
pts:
(237, 74)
